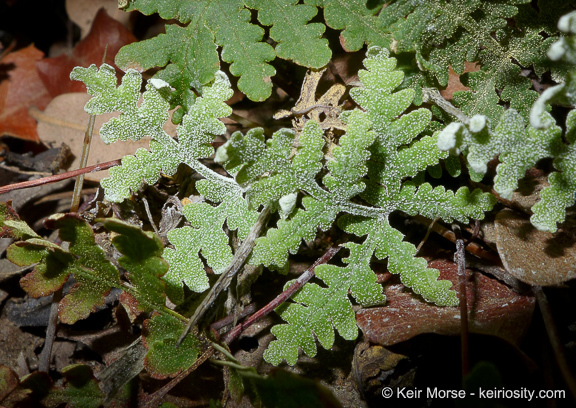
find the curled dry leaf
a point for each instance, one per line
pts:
(493, 308)
(20, 89)
(454, 84)
(532, 256)
(307, 105)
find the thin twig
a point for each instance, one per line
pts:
(433, 94)
(461, 261)
(282, 297)
(59, 177)
(428, 231)
(156, 398)
(554, 338)
(223, 282)
(228, 320)
(44, 362)
(83, 162)
(472, 247)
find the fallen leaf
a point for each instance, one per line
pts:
(327, 105)
(83, 13)
(64, 121)
(493, 308)
(454, 84)
(532, 256)
(22, 88)
(106, 37)
(11, 393)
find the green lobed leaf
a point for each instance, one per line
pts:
(165, 358)
(319, 311)
(225, 23)
(53, 266)
(359, 24)
(298, 40)
(142, 259)
(94, 273)
(80, 389)
(205, 236)
(101, 84)
(199, 127)
(272, 250)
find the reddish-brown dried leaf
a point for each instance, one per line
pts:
(532, 256)
(493, 308)
(454, 84)
(21, 89)
(107, 35)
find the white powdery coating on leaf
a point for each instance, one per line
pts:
(477, 123)
(287, 203)
(222, 153)
(447, 137)
(159, 83)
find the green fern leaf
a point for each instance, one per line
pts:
(381, 144)
(272, 250)
(190, 55)
(293, 32)
(347, 166)
(519, 148)
(205, 235)
(285, 174)
(444, 34)
(437, 202)
(199, 127)
(561, 194)
(359, 24)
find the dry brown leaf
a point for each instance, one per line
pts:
(64, 121)
(21, 89)
(106, 37)
(532, 256)
(83, 13)
(454, 84)
(307, 105)
(493, 308)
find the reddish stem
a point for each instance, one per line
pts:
(281, 298)
(59, 177)
(461, 261)
(155, 399)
